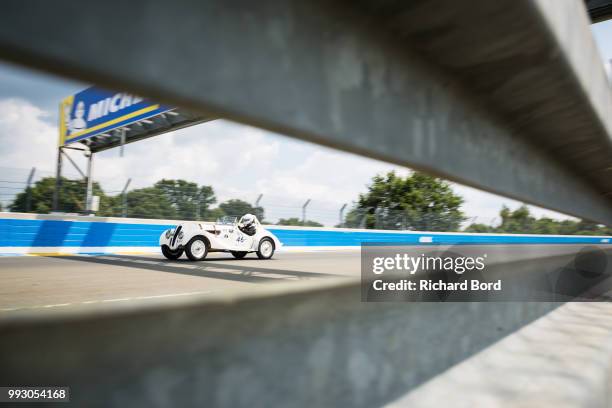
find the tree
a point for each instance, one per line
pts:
(417, 202)
(521, 221)
(294, 221)
(584, 227)
(214, 214)
(482, 228)
(72, 196)
(544, 226)
(237, 208)
(150, 202)
(517, 221)
(189, 200)
(355, 218)
(172, 199)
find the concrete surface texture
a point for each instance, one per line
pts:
(432, 85)
(286, 345)
(563, 360)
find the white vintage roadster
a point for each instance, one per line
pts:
(197, 239)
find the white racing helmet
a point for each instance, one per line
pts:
(247, 220)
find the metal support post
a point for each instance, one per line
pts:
(121, 149)
(29, 190)
(124, 198)
(65, 154)
(342, 215)
(304, 211)
(89, 178)
(58, 180)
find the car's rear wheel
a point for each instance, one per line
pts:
(171, 254)
(196, 249)
(239, 254)
(266, 248)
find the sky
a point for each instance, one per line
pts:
(238, 161)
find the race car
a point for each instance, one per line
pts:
(239, 238)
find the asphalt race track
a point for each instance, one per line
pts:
(30, 283)
(48, 282)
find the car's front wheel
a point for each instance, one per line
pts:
(266, 248)
(171, 254)
(239, 254)
(196, 249)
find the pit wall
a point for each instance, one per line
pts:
(64, 234)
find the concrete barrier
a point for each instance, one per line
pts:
(563, 359)
(278, 345)
(38, 233)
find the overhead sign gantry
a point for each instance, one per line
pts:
(97, 119)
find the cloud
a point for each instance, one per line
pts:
(219, 153)
(329, 178)
(242, 162)
(237, 160)
(26, 139)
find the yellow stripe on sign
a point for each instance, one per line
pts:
(64, 113)
(112, 122)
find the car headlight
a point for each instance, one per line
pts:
(168, 233)
(180, 236)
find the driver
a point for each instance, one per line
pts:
(247, 224)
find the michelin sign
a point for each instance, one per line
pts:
(94, 111)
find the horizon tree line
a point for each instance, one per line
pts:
(417, 202)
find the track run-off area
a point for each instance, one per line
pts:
(72, 281)
(50, 282)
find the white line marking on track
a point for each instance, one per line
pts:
(57, 305)
(89, 302)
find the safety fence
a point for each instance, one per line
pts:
(31, 191)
